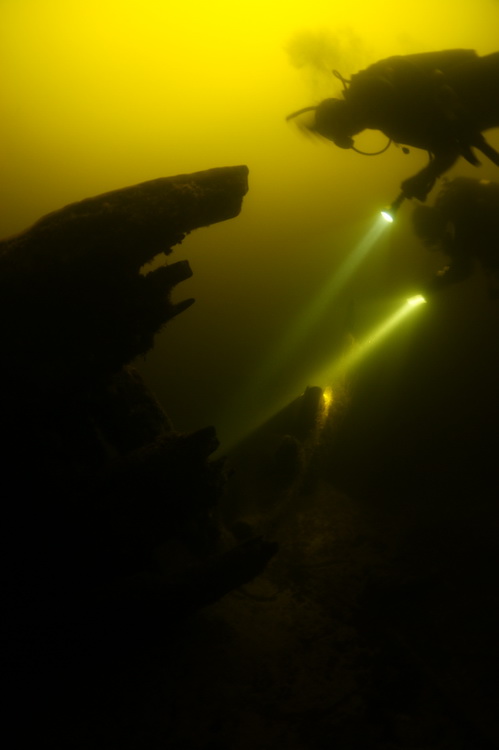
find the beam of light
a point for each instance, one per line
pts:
(335, 372)
(309, 317)
(259, 379)
(379, 333)
(339, 367)
(418, 299)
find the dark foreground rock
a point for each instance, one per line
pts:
(73, 302)
(111, 533)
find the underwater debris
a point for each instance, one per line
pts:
(73, 303)
(113, 533)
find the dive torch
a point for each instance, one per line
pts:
(389, 213)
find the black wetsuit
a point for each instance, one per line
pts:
(437, 101)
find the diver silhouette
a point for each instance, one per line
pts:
(464, 225)
(437, 101)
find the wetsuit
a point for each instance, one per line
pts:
(437, 101)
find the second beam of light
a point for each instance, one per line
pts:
(364, 347)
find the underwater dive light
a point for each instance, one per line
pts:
(418, 299)
(389, 213)
(368, 343)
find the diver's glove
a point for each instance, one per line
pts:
(419, 185)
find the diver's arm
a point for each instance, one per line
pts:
(419, 185)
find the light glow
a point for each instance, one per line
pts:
(318, 306)
(327, 400)
(310, 317)
(388, 214)
(327, 397)
(418, 299)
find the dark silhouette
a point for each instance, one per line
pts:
(98, 488)
(464, 224)
(437, 101)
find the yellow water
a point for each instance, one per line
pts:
(99, 94)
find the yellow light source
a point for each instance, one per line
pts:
(327, 400)
(327, 397)
(388, 213)
(418, 299)
(371, 340)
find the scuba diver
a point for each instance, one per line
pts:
(464, 225)
(437, 101)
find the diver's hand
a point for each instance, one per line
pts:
(419, 185)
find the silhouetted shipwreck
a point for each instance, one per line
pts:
(109, 512)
